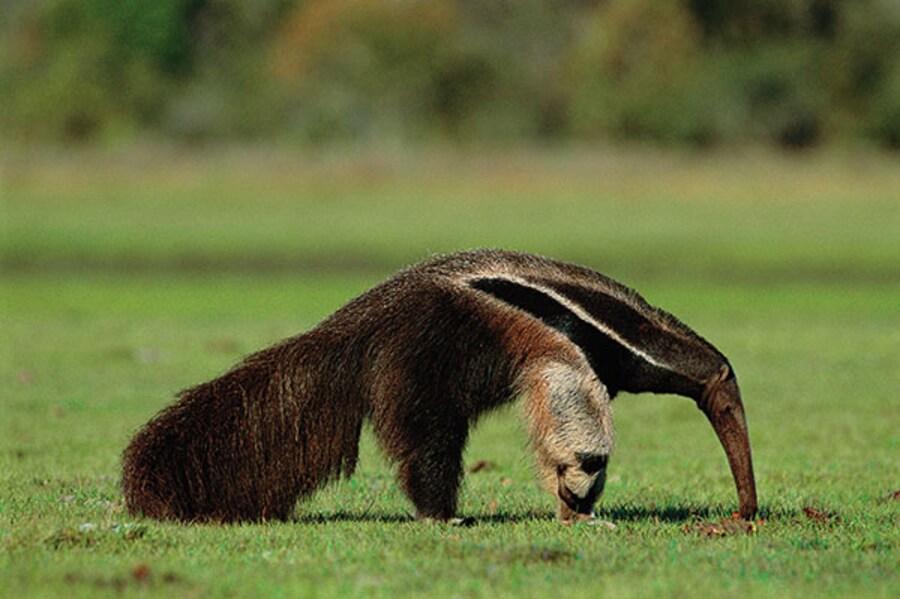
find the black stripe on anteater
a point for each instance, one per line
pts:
(617, 366)
(682, 350)
(605, 355)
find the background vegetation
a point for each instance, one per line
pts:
(697, 72)
(127, 276)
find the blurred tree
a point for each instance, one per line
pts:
(229, 93)
(517, 49)
(631, 70)
(792, 72)
(75, 66)
(882, 121)
(753, 20)
(361, 68)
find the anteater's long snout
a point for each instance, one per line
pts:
(723, 407)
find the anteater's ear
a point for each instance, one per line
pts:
(713, 387)
(721, 402)
(725, 373)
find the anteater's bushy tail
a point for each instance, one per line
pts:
(244, 446)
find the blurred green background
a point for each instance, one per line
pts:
(793, 73)
(183, 182)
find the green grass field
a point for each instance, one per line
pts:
(127, 277)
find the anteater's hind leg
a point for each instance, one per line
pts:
(429, 450)
(431, 477)
(570, 423)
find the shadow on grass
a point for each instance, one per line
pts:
(398, 518)
(620, 513)
(331, 517)
(672, 513)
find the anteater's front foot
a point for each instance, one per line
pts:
(567, 517)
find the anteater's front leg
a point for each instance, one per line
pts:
(571, 428)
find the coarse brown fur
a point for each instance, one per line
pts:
(421, 356)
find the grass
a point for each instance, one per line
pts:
(127, 277)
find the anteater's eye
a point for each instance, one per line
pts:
(592, 462)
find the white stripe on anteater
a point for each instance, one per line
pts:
(575, 309)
